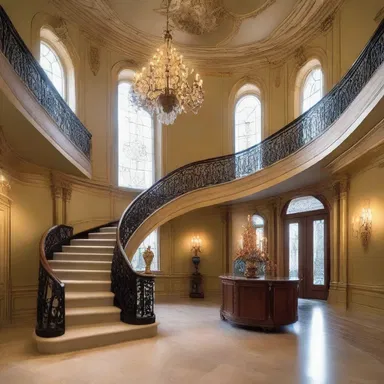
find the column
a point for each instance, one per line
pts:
(343, 272)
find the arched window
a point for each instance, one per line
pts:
(259, 224)
(57, 64)
(304, 204)
(136, 156)
(248, 118)
(312, 89)
(53, 67)
(136, 143)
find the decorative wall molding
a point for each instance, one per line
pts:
(94, 59)
(303, 24)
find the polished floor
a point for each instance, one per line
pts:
(195, 346)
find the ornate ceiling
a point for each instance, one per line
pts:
(224, 35)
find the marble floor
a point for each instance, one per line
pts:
(195, 346)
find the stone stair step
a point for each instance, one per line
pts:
(73, 256)
(81, 264)
(87, 286)
(78, 338)
(94, 242)
(91, 315)
(81, 274)
(88, 299)
(88, 249)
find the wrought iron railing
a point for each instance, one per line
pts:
(50, 316)
(50, 320)
(220, 170)
(35, 79)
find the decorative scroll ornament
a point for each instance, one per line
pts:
(196, 16)
(94, 60)
(163, 88)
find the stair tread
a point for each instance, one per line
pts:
(58, 270)
(91, 310)
(88, 295)
(78, 332)
(85, 281)
(85, 262)
(89, 246)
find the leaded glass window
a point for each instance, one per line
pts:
(52, 66)
(312, 89)
(136, 143)
(304, 204)
(247, 122)
(138, 262)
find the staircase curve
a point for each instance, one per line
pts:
(293, 149)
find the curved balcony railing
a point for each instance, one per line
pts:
(135, 301)
(50, 315)
(35, 79)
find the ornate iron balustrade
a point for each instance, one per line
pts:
(50, 320)
(35, 79)
(223, 169)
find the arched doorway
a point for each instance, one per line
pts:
(306, 245)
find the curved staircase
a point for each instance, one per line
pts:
(91, 319)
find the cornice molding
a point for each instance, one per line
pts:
(100, 23)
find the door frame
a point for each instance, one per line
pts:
(304, 246)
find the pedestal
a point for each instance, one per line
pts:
(197, 291)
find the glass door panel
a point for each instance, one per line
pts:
(293, 250)
(318, 252)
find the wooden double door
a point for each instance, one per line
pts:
(306, 246)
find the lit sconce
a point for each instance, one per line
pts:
(4, 184)
(362, 226)
(196, 245)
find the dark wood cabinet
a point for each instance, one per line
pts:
(263, 302)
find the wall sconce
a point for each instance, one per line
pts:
(196, 245)
(4, 184)
(362, 226)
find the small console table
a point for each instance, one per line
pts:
(264, 302)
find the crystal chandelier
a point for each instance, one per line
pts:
(162, 87)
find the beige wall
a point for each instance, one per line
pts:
(192, 137)
(366, 266)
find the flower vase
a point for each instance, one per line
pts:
(250, 269)
(148, 256)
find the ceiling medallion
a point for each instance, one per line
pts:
(162, 87)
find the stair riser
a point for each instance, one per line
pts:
(85, 249)
(108, 229)
(93, 341)
(96, 287)
(80, 275)
(102, 235)
(81, 303)
(94, 242)
(82, 257)
(90, 266)
(91, 319)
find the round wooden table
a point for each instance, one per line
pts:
(263, 302)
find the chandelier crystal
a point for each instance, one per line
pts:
(162, 87)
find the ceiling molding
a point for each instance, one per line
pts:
(99, 22)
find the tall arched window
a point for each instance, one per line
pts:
(247, 122)
(136, 143)
(259, 225)
(312, 90)
(136, 157)
(50, 62)
(57, 64)
(248, 117)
